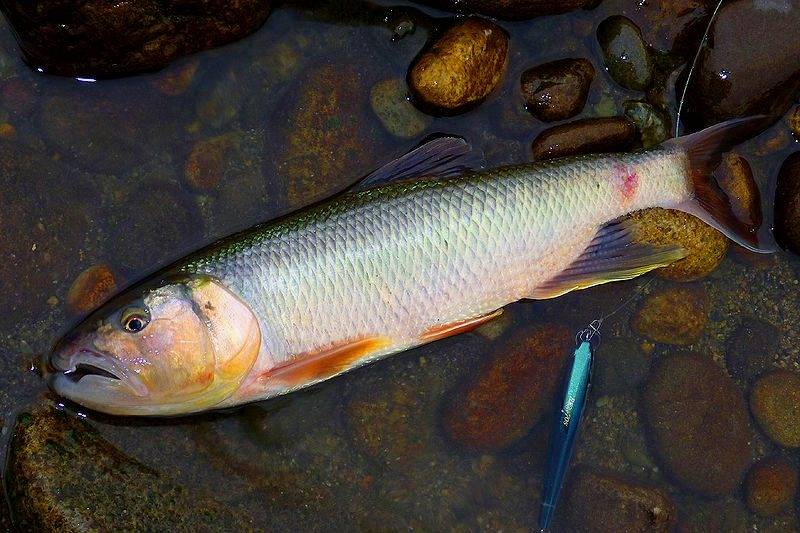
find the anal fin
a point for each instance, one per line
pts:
(611, 256)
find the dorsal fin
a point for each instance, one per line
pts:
(438, 158)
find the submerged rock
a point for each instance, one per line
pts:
(557, 90)
(591, 135)
(698, 423)
(398, 115)
(718, 516)
(705, 247)
(511, 9)
(625, 53)
(728, 83)
(510, 394)
(91, 288)
(751, 349)
(620, 364)
(62, 476)
(787, 204)
(676, 315)
(735, 178)
(775, 403)
(653, 124)
(99, 38)
(462, 66)
(771, 486)
(605, 502)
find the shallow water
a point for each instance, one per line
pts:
(96, 174)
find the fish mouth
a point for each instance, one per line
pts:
(79, 365)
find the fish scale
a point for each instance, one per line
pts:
(395, 261)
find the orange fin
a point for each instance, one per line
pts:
(327, 362)
(446, 330)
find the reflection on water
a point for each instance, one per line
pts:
(133, 173)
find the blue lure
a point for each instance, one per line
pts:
(567, 419)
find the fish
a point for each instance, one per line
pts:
(423, 248)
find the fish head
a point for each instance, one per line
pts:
(170, 348)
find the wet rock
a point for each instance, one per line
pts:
(398, 115)
(625, 53)
(591, 135)
(98, 38)
(787, 204)
(91, 288)
(698, 423)
(770, 486)
(751, 349)
(794, 122)
(326, 139)
(206, 161)
(620, 365)
(735, 178)
(705, 246)
(676, 315)
(557, 90)
(175, 81)
(511, 9)
(62, 476)
(513, 390)
(718, 516)
(462, 66)
(727, 83)
(606, 502)
(775, 403)
(653, 124)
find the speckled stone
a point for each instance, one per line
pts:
(676, 315)
(771, 485)
(775, 403)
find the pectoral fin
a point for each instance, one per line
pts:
(611, 256)
(327, 362)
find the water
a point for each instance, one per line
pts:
(96, 173)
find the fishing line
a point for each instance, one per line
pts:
(593, 329)
(691, 68)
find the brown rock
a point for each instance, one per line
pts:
(206, 161)
(510, 394)
(717, 516)
(735, 178)
(751, 349)
(557, 90)
(604, 502)
(728, 83)
(461, 67)
(99, 38)
(705, 246)
(676, 315)
(794, 122)
(771, 486)
(511, 9)
(612, 134)
(176, 80)
(698, 423)
(775, 403)
(91, 288)
(787, 204)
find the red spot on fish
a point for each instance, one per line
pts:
(628, 183)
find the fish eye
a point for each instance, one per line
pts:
(134, 319)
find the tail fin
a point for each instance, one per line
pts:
(704, 150)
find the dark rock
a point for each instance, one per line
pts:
(735, 178)
(620, 364)
(728, 83)
(511, 9)
(625, 53)
(585, 136)
(787, 204)
(771, 486)
(325, 136)
(557, 90)
(99, 38)
(719, 516)
(462, 66)
(751, 349)
(705, 247)
(698, 423)
(676, 315)
(510, 394)
(62, 476)
(794, 122)
(605, 502)
(775, 403)
(653, 124)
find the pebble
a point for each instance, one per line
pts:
(591, 135)
(675, 315)
(625, 53)
(771, 486)
(787, 204)
(653, 124)
(557, 90)
(91, 288)
(619, 365)
(735, 177)
(398, 115)
(775, 403)
(751, 349)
